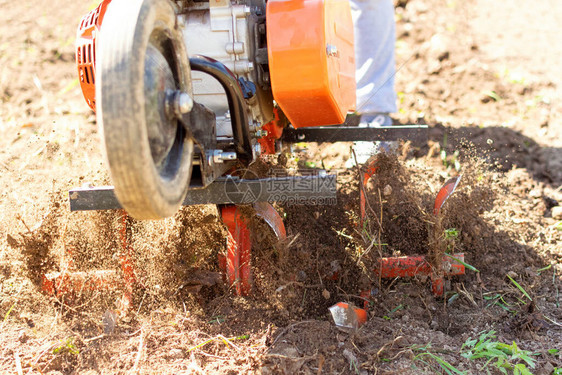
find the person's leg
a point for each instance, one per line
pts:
(375, 39)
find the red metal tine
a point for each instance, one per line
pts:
(238, 258)
(445, 192)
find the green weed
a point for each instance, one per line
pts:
(67, 346)
(470, 267)
(425, 352)
(503, 357)
(520, 288)
(492, 94)
(387, 317)
(451, 235)
(498, 300)
(544, 269)
(446, 366)
(451, 161)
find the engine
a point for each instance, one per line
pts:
(186, 90)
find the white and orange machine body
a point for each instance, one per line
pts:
(309, 64)
(187, 91)
(190, 84)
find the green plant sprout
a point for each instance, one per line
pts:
(67, 347)
(544, 269)
(451, 235)
(502, 356)
(492, 94)
(387, 317)
(454, 163)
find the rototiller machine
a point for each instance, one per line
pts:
(188, 91)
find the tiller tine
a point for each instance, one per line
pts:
(237, 263)
(367, 174)
(412, 266)
(70, 284)
(445, 193)
(272, 218)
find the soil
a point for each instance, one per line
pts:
(483, 75)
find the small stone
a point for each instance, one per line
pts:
(387, 190)
(405, 318)
(175, 353)
(557, 212)
(23, 337)
(326, 294)
(512, 274)
(434, 67)
(535, 193)
(301, 276)
(109, 319)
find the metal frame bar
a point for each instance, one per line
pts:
(229, 190)
(337, 133)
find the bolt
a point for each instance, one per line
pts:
(219, 156)
(177, 103)
(184, 103)
(332, 50)
(261, 133)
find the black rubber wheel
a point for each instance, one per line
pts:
(141, 58)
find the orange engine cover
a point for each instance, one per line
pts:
(86, 51)
(311, 59)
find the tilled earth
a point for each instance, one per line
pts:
(484, 76)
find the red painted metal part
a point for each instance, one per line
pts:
(412, 266)
(445, 193)
(270, 215)
(71, 284)
(274, 130)
(127, 265)
(86, 51)
(437, 285)
(237, 264)
(417, 265)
